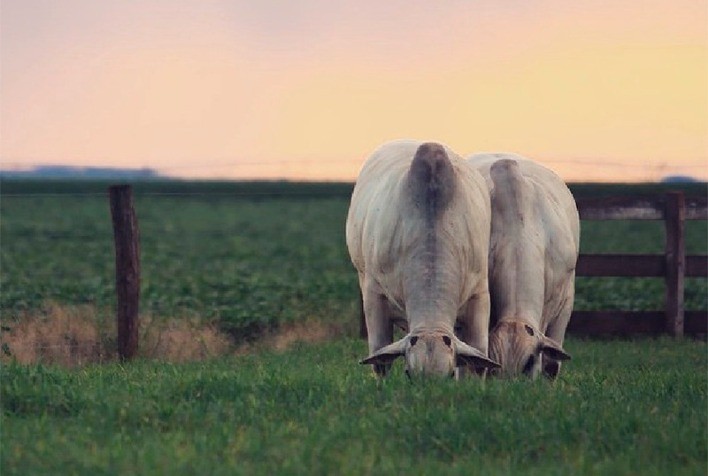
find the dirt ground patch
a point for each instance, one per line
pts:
(74, 336)
(285, 336)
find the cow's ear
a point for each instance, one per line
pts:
(467, 355)
(553, 349)
(387, 354)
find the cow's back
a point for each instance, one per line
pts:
(552, 219)
(383, 230)
(375, 199)
(545, 181)
(558, 202)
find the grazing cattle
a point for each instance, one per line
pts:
(533, 250)
(417, 233)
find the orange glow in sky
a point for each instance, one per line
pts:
(597, 90)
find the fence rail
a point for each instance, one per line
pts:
(639, 208)
(636, 265)
(630, 323)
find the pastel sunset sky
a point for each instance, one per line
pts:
(612, 90)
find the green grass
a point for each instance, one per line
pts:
(620, 407)
(253, 256)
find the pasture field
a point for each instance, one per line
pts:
(245, 256)
(248, 263)
(619, 407)
(250, 258)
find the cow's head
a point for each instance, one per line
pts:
(431, 354)
(520, 349)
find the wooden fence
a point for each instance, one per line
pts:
(674, 266)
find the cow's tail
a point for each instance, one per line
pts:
(431, 179)
(507, 194)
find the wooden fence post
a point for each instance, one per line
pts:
(675, 262)
(126, 235)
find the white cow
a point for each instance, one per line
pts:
(533, 251)
(418, 233)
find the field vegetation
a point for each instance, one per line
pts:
(225, 264)
(247, 257)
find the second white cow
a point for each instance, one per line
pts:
(417, 233)
(533, 251)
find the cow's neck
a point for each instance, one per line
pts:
(517, 281)
(431, 288)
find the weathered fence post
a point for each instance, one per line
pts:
(125, 233)
(675, 262)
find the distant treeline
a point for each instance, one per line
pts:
(83, 173)
(270, 189)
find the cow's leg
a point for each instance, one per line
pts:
(379, 326)
(474, 327)
(556, 330)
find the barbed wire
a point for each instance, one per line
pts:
(250, 163)
(260, 164)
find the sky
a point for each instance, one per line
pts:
(599, 90)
